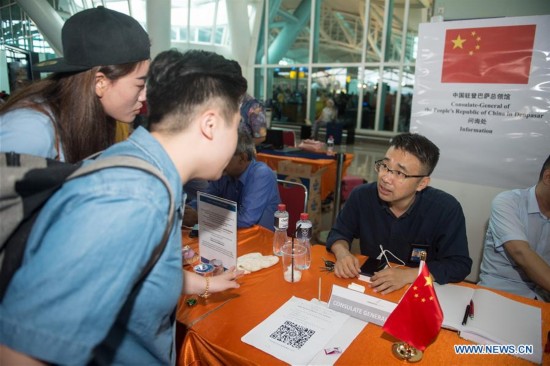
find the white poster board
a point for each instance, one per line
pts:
(217, 229)
(482, 95)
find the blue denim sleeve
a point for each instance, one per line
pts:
(86, 250)
(27, 131)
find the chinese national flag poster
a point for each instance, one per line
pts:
(489, 55)
(417, 318)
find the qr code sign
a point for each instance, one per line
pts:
(292, 334)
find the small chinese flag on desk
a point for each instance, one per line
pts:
(417, 318)
(495, 55)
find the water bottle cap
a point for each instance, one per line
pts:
(304, 216)
(281, 207)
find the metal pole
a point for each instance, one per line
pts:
(340, 157)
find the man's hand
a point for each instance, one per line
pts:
(534, 266)
(347, 265)
(392, 279)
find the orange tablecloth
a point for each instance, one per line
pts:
(215, 326)
(328, 178)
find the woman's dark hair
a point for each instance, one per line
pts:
(71, 102)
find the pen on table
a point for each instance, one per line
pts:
(466, 315)
(471, 309)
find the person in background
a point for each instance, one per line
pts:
(328, 114)
(73, 299)
(516, 254)
(253, 119)
(250, 183)
(403, 219)
(101, 79)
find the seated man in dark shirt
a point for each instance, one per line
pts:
(404, 218)
(250, 183)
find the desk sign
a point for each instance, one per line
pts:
(217, 229)
(365, 307)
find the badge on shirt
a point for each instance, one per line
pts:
(418, 252)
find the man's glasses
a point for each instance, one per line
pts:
(381, 167)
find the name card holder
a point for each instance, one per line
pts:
(361, 306)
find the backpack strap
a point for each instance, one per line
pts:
(136, 163)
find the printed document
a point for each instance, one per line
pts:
(300, 331)
(217, 229)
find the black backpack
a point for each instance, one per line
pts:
(26, 184)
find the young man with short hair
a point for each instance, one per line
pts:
(72, 301)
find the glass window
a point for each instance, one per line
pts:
(289, 94)
(405, 103)
(368, 90)
(341, 36)
(289, 32)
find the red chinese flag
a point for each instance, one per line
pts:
(494, 55)
(417, 318)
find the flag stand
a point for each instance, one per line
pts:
(404, 351)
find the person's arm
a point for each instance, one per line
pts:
(530, 262)
(197, 284)
(392, 279)
(28, 131)
(101, 261)
(345, 229)
(257, 190)
(347, 265)
(450, 260)
(9, 356)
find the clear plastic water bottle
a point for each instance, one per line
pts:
(281, 226)
(304, 232)
(330, 145)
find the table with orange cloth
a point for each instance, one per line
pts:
(214, 327)
(328, 178)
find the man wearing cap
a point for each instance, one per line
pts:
(99, 80)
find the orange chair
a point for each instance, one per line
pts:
(294, 195)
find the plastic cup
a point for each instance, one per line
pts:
(294, 257)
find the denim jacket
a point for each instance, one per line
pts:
(69, 302)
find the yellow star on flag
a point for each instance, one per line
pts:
(457, 43)
(429, 281)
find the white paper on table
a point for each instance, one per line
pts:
(342, 339)
(217, 229)
(297, 331)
